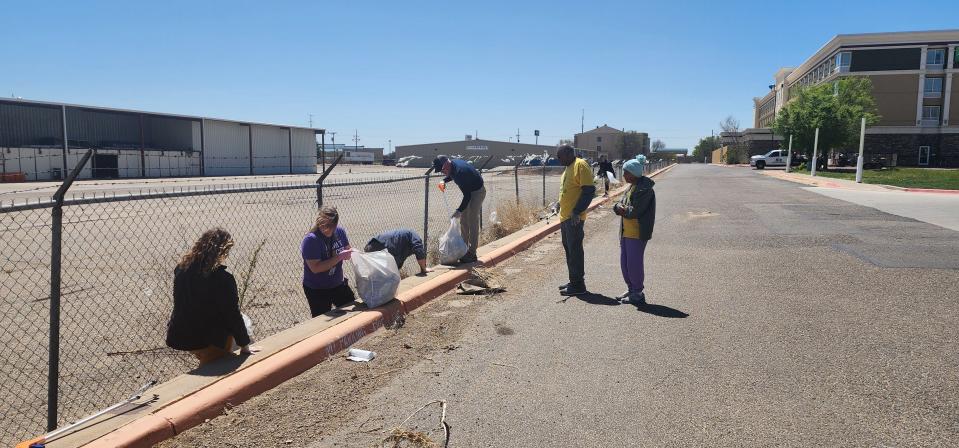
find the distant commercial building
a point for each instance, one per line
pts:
(44, 141)
(475, 150)
(605, 141)
(352, 154)
(912, 76)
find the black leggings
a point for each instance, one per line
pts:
(322, 300)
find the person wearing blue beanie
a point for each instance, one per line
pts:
(637, 209)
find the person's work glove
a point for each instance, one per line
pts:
(441, 186)
(345, 255)
(457, 214)
(575, 220)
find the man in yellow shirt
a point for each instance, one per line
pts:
(575, 194)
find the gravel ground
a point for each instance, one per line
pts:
(766, 330)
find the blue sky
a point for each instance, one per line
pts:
(417, 72)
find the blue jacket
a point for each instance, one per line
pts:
(466, 177)
(400, 243)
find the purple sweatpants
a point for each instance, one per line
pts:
(631, 252)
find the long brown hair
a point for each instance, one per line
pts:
(326, 216)
(208, 251)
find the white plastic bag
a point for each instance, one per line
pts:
(612, 179)
(376, 276)
(249, 330)
(494, 218)
(452, 246)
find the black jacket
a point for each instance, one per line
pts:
(642, 207)
(605, 166)
(206, 310)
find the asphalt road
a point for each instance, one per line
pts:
(941, 209)
(780, 318)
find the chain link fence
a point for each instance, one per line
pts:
(116, 265)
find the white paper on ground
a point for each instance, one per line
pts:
(358, 355)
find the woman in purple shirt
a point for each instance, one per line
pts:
(324, 249)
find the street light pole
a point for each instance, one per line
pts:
(862, 141)
(815, 151)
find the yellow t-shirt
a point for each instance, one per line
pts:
(575, 177)
(630, 226)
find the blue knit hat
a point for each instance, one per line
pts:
(641, 159)
(634, 167)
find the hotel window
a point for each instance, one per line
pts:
(933, 88)
(936, 59)
(843, 61)
(930, 115)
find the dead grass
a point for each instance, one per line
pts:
(511, 216)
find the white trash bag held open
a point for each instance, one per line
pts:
(452, 246)
(376, 276)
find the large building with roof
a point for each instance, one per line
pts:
(43, 141)
(605, 141)
(912, 76)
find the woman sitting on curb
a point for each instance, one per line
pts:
(324, 249)
(638, 212)
(206, 318)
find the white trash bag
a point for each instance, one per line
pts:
(452, 246)
(249, 330)
(376, 276)
(612, 178)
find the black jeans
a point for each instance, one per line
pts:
(322, 300)
(573, 246)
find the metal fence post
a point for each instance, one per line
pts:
(426, 210)
(56, 245)
(319, 182)
(544, 182)
(516, 179)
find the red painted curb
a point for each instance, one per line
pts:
(931, 190)
(287, 363)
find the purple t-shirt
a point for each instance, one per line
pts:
(316, 246)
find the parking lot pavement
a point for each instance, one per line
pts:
(780, 317)
(934, 208)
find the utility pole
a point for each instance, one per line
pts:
(356, 140)
(333, 142)
(517, 135)
(311, 120)
(582, 120)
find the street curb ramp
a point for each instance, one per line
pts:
(237, 387)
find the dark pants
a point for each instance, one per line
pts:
(631, 253)
(573, 246)
(322, 300)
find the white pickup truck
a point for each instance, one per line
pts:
(775, 157)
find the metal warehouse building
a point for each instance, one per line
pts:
(504, 153)
(42, 141)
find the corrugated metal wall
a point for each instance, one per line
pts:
(227, 151)
(271, 150)
(144, 144)
(304, 151)
(23, 125)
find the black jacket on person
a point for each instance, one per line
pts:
(606, 166)
(206, 310)
(642, 207)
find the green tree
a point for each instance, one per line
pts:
(629, 145)
(705, 147)
(835, 108)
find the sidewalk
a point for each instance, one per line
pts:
(827, 182)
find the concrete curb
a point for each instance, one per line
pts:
(268, 373)
(931, 190)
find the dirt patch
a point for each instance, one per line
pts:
(327, 396)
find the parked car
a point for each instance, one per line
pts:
(775, 157)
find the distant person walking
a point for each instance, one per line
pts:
(324, 249)
(605, 166)
(206, 318)
(400, 243)
(575, 194)
(638, 212)
(469, 211)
